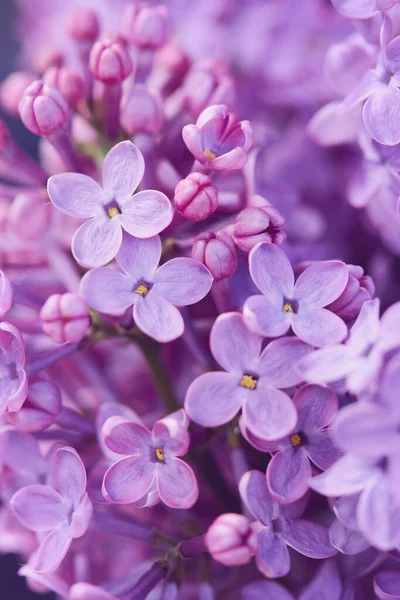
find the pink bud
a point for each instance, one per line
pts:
(43, 109)
(142, 112)
(195, 197)
(65, 318)
(358, 290)
(12, 89)
(47, 57)
(83, 25)
(229, 540)
(40, 409)
(68, 82)
(216, 252)
(6, 294)
(172, 57)
(109, 60)
(147, 26)
(258, 224)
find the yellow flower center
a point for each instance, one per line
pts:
(249, 382)
(142, 290)
(113, 212)
(287, 308)
(209, 154)
(295, 439)
(160, 454)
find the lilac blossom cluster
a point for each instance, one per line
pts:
(200, 336)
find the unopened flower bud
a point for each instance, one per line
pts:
(65, 318)
(83, 25)
(109, 60)
(142, 112)
(208, 82)
(68, 82)
(358, 290)
(6, 295)
(147, 26)
(43, 109)
(258, 224)
(46, 57)
(40, 409)
(217, 252)
(12, 89)
(196, 197)
(229, 540)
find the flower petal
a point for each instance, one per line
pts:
(268, 412)
(214, 399)
(287, 475)
(326, 365)
(183, 281)
(20, 452)
(146, 213)
(346, 540)
(38, 507)
(316, 407)
(322, 450)
(107, 290)
(233, 346)
(86, 591)
(272, 556)
(279, 359)
(348, 475)
(230, 161)
(319, 327)
(387, 585)
(321, 283)
(265, 589)
(139, 258)
(123, 170)
(128, 480)
(68, 474)
(325, 585)
(390, 325)
(192, 138)
(254, 493)
(52, 550)
(177, 484)
(308, 538)
(97, 241)
(75, 194)
(271, 270)
(265, 316)
(126, 437)
(378, 516)
(158, 318)
(381, 115)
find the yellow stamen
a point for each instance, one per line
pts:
(142, 290)
(160, 454)
(295, 439)
(287, 308)
(209, 154)
(113, 212)
(249, 382)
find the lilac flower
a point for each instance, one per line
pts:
(218, 140)
(280, 527)
(150, 465)
(289, 470)
(14, 383)
(154, 292)
(360, 357)
(285, 303)
(252, 381)
(62, 510)
(142, 215)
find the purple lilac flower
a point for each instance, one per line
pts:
(60, 511)
(284, 303)
(150, 468)
(154, 292)
(252, 381)
(279, 527)
(111, 208)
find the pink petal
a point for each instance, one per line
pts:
(272, 556)
(230, 161)
(254, 493)
(177, 484)
(158, 318)
(38, 507)
(214, 399)
(146, 213)
(321, 283)
(308, 538)
(126, 437)
(355, 9)
(123, 170)
(381, 115)
(171, 432)
(107, 290)
(287, 475)
(97, 241)
(128, 480)
(233, 346)
(75, 194)
(183, 281)
(265, 316)
(52, 550)
(68, 474)
(13, 392)
(271, 270)
(319, 327)
(139, 258)
(278, 362)
(12, 343)
(192, 138)
(269, 413)
(316, 407)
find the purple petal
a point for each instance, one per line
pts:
(192, 138)
(278, 361)
(381, 115)
(390, 325)
(265, 316)
(390, 385)
(321, 283)
(355, 9)
(13, 392)
(139, 258)
(308, 538)
(378, 516)
(171, 432)
(233, 346)
(319, 327)
(230, 161)
(128, 480)
(68, 475)
(272, 556)
(271, 270)
(158, 318)
(183, 281)
(12, 344)
(345, 509)
(107, 290)
(393, 55)
(254, 493)
(326, 585)
(348, 475)
(336, 122)
(346, 540)
(146, 213)
(86, 591)
(287, 475)
(268, 412)
(387, 585)
(326, 365)
(177, 484)
(365, 330)
(20, 452)
(214, 399)
(97, 241)
(126, 437)
(316, 407)
(52, 550)
(75, 194)
(38, 507)
(265, 589)
(123, 170)
(322, 450)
